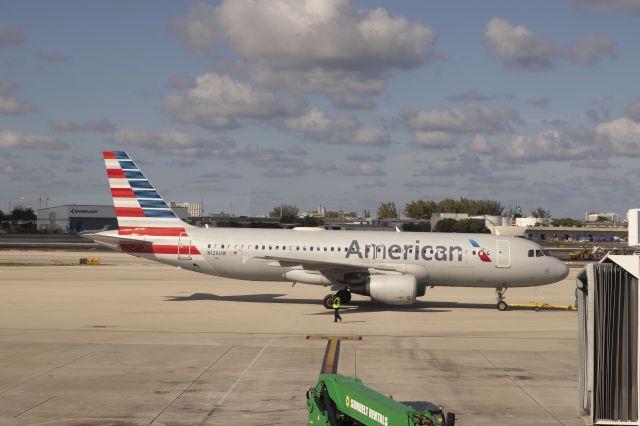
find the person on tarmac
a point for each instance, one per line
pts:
(336, 310)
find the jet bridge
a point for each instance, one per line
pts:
(609, 370)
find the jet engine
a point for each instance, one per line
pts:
(391, 289)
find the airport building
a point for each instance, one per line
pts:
(71, 218)
(193, 209)
(599, 217)
(76, 218)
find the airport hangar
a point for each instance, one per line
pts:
(71, 218)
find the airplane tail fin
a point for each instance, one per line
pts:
(140, 210)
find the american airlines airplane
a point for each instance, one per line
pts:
(390, 267)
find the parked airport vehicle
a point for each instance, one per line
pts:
(338, 400)
(389, 267)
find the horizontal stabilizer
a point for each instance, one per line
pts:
(112, 240)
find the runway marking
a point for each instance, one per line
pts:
(35, 406)
(233, 386)
(194, 380)
(52, 369)
(521, 388)
(332, 351)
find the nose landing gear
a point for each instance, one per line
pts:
(502, 305)
(344, 295)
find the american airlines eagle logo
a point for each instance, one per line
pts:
(482, 253)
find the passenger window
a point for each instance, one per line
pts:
(331, 248)
(277, 247)
(256, 247)
(209, 246)
(530, 253)
(304, 248)
(325, 249)
(262, 247)
(284, 247)
(270, 248)
(222, 246)
(338, 248)
(311, 248)
(298, 248)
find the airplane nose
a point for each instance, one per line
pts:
(561, 270)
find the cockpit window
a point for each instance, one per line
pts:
(531, 252)
(539, 253)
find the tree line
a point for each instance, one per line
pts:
(423, 209)
(19, 213)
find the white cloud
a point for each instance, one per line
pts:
(314, 121)
(219, 102)
(170, 142)
(589, 49)
(549, 145)
(309, 45)
(344, 130)
(371, 136)
(476, 119)
(520, 49)
(633, 110)
(19, 140)
(464, 164)
(9, 105)
(10, 35)
(96, 126)
(621, 136)
(517, 47)
(362, 169)
(350, 102)
(198, 29)
(436, 139)
(366, 158)
(480, 145)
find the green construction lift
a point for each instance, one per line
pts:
(338, 400)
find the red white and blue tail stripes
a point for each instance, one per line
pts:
(140, 210)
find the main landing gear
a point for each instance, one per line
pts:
(344, 295)
(502, 305)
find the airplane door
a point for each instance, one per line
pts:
(184, 246)
(504, 255)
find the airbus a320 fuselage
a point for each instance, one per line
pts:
(389, 267)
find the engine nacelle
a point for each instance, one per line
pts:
(391, 289)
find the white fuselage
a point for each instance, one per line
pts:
(438, 259)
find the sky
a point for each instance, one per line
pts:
(247, 104)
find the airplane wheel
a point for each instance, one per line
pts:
(328, 301)
(344, 295)
(502, 306)
(537, 308)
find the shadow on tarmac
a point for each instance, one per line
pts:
(353, 307)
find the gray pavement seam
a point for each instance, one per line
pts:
(52, 369)
(233, 386)
(191, 384)
(241, 333)
(521, 388)
(35, 406)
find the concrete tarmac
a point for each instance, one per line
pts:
(131, 342)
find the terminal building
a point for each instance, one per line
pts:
(72, 218)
